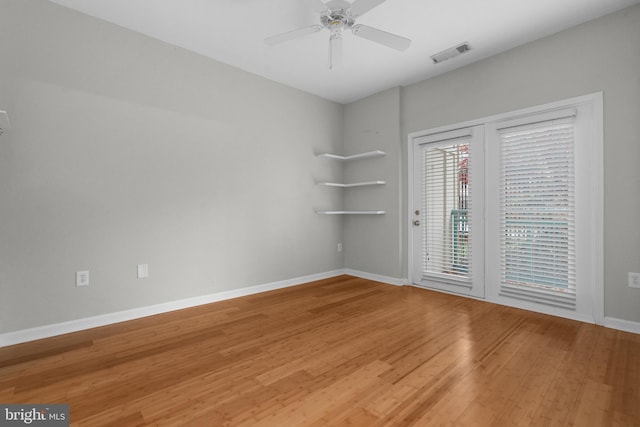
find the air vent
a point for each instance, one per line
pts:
(4, 122)
(452, 52)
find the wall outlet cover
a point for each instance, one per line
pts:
(143, 271)
(82, 278)
(634, 280)
(4, 122)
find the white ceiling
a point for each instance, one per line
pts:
(232, 32)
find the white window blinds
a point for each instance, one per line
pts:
(537, 212)
(447, 208)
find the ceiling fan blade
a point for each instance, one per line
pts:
(290, 35)
(387, 39)
(318, 6)
(335, 50)
(360, 7)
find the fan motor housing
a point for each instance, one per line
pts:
(337, 20)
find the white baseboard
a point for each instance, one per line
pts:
(376, 277)
(622, 325)
(47, 331)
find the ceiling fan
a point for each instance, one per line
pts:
(340, 15)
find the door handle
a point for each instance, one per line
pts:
(416, 222)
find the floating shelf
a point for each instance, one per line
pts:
(355, 184)
(361, 156)
(368, 155)
(351, 212)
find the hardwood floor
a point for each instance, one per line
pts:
(341, 351)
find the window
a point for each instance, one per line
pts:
(544, 209)
(446, 206)
(537, 212)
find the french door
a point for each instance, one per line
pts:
(509, 208)
(447, 212)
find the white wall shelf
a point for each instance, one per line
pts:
(361, 156)
(351, 212)
(355, 184)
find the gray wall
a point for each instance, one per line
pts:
(126, 150)
(601, 55)
(372, 244)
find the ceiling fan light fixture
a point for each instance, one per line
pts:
(452, 52)
(337, 16)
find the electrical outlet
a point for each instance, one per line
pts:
(339, 247)
(143, 271)
(634, 280)
(82, 278)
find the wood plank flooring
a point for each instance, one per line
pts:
(341, 352)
